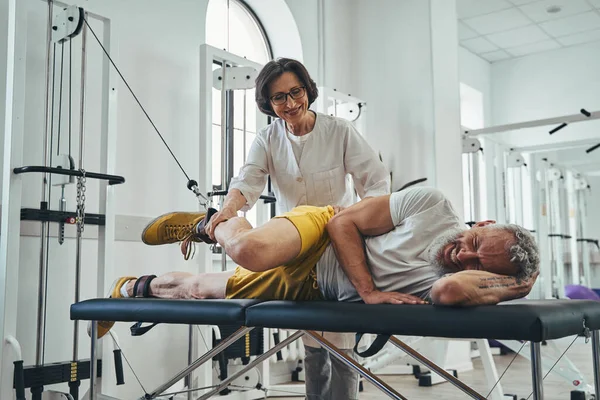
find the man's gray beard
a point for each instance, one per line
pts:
(436, 257)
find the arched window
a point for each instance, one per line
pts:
(232, 26)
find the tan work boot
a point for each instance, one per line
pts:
(114, 293)
(172, 227)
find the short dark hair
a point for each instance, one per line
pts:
(273, 70)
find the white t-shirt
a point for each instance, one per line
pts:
(298, 144)
(398, 259)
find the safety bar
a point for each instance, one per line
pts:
(112, 179)
(267, 199)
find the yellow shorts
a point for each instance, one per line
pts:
(297, 280)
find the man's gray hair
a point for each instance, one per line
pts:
(523, 252)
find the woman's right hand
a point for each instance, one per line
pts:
(221, 216)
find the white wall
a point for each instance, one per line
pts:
(341, 45)
(476, 73)
(305, 13)
(446, 101)
(394, 77)
(3, 49)
(325, 51)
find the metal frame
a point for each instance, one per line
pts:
(573, 217)
(439, 350)
(564, 368)
(208, 56)
(596, 361)
(330, 93)
(201, 360)
(546, 220)
(532, 124)
(543, 284)
(553, 206)
(549, 222)
(440, 371)
(561, 209)
(563, 204)
(495, 157)
(489, 366)
(11, 193)
(252, 364)
(536, 371)
(583, 233)
(106, 236)
(259, 24)
(473, 160)
(570, 144)
(535, 358)
(383, 361)
(327, 93)
(10, 229)
(515, 162)
(388, 360)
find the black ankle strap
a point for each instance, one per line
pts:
(146, 291)
(135, 287)
(141, 287)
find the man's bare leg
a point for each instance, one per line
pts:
(259, 249)
(185, 285)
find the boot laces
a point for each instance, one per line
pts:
(188, 245)
(178, 232)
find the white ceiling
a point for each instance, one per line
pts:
(502, 29)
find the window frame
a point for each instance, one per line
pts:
(259, 24)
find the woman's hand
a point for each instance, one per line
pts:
(221, 216)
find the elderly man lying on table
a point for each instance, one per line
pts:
(409, 247)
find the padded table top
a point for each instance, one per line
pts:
(533, 320)
(190, 312)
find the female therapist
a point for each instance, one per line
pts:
(307, 155)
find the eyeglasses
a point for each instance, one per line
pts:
(296, 93)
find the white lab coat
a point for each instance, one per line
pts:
(334, 149)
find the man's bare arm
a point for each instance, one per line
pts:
(468, 288)
(369, 217)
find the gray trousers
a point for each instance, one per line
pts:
(327, 378)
